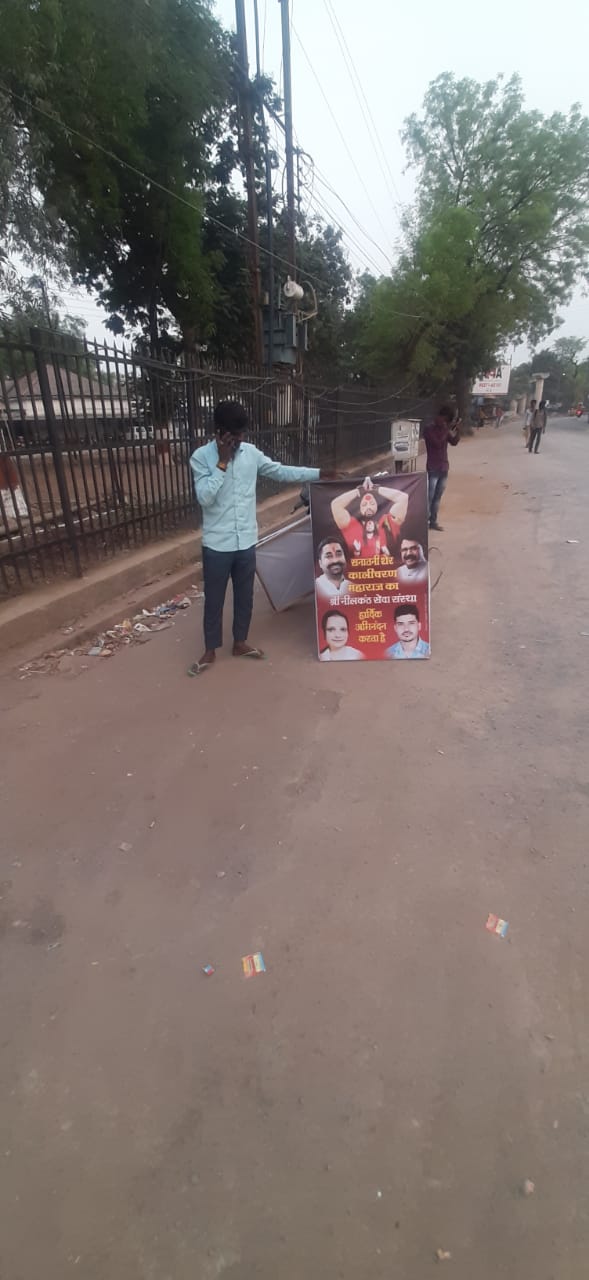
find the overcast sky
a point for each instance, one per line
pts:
(397, 50)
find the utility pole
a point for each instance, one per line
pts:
(269, 201)
(247, 152)
(288, 138)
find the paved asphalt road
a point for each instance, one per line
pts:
(386, 1087)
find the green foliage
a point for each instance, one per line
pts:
(501, 235)
(150, 87)
(28, 304)
(568, 378)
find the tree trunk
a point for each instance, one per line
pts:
(461, 391)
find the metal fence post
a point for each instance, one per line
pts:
(55, 442)
(336, 439)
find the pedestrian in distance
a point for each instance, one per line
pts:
(537, 428)
(529, 418)
(437, 436)
(225, 475)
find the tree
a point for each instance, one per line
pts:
(146, 96)
(27, 304)
(501, 232)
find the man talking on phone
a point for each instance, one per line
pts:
(225, 478)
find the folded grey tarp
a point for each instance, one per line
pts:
(284, 564)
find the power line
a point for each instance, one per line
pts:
(341, 134)
(363, 253)
(363, 103)
(325, 183)
(153, 182)
(314, 196)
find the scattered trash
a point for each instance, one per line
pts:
(572, 542)
(125, 848)
(242, 827)
(208, 970)
(136, 630)
(46, 665)
(528, 1187)
(584, 633)
(379, 1195)
(253, 964)
(440, 752)
(221, 875)
(152, 825)
(443, 1255)
(496, 925)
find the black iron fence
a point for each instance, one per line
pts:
(95, 443)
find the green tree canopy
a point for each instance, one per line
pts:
(501, 232)
(149, 86)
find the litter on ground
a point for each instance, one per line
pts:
(208, 970)
(496, 925)
(253, 964)
(135, 630)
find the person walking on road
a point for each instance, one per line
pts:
(438, 436)
(529, 418)
(225, 478)
(537, 427)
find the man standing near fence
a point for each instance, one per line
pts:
(438, 436)
(225, 478)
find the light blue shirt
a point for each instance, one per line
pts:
(228, 498)
(421, 650)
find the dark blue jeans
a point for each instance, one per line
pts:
(218, 568)
(436, 483)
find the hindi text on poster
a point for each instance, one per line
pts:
(371, 565)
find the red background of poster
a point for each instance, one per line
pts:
(372, 563)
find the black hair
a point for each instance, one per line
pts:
(328, 542)
(333, 613)
(446, 412)
(406, 608)
(542, 404)
(230, 416)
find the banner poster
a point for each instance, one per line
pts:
(371, 568)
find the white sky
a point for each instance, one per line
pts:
(397, 50)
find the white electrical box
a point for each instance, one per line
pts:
(405, 439)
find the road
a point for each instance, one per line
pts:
(386, 1087)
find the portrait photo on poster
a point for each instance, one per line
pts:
(370, 546)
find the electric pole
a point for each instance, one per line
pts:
(247, 153)
(288, 139)
(269, 200)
